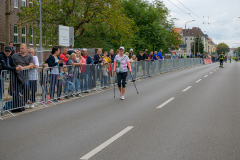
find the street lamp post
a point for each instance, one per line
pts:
(186, 33)
(41, 52)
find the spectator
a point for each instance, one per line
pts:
(74, 70)
(54, 63)
(70, 50)
(63, 55)
(33, 77)
(147, 61)
(160, 58)
(12, 50)
(105, 69)
(88, 73)
(60, 83)
(78, 55)
(133, 62)
(184, 56)
(98, 57)
(173, 55)
(141, 58)
(82, 72)
(191, 56)
(112, 55)
(127, 54)
(43, 83)
(131, 53)
(117, 51)
(159, 55)
(98, 60)
(150, 56)
(26, 61)
(7, 63)
(68, 85)
(188, 56)
(155, 57)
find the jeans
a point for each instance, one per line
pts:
(33, 90)
(1, 88)
(68, 87)
(53, 82)
(104, 81)
(84, 85)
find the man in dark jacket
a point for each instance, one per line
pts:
(7, 63)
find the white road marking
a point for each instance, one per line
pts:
(198, 80)
(105, 144)
(210, 73)
(214, 70)
(206, 76)
(162, 105)
(187, 88)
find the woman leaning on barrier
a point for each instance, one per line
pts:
(54, 62)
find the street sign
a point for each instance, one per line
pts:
(65, 35)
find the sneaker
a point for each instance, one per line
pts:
(32, 105)
(122, 98)
(85, 92)
(66, 97)
(60, 99)
(27, 106)
(55, 100)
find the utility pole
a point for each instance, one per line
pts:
(7, 22)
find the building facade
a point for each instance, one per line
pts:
(18, 34)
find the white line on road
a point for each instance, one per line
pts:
(187, 88)
(105, 144)
(206, 76)
(210, 73)
(162, 105)
(198, 80)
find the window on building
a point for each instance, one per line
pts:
(15, 34)
(23, 34)
(186, 38)
(24, 3)
(15, 3)
(31, 36)
(190, 38)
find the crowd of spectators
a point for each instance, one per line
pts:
(71, 71)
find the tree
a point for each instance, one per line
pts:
(154, 31)
(88, 17)
(222, 47)
(197, 40)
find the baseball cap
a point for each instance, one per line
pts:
(7, 48)
(131, 49)
(121, 48)
(84, 49)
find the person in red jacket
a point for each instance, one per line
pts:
(63, 55)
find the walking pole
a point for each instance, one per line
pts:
(114, 85)
(134, 84)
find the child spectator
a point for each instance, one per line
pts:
(68, 86)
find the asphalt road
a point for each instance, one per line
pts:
(192, 114)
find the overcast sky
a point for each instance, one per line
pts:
(220, 18)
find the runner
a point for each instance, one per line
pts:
(121, 66)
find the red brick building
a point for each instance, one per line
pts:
(18, 34)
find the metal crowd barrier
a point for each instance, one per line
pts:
(50, 84)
